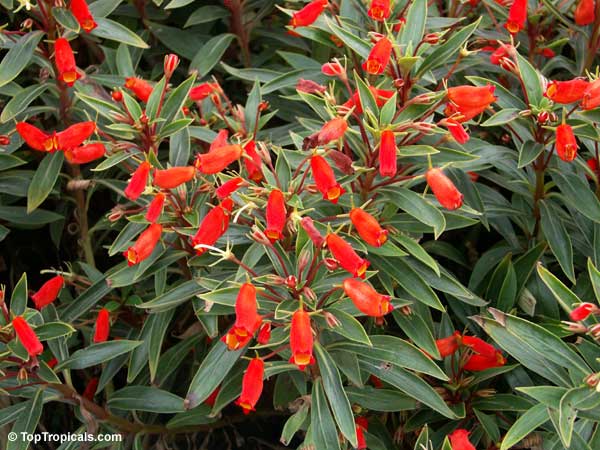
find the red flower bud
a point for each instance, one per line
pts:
(379, 10)
(592, 163)
(173, 177)
(138, 181)
(39, 140)
(117, 96)
(90, 389)
(591, 96)
(325, 179)
(80, 10)
(309, 87)
(264, 334)
(346, 256)
(200, 92)
(517, 16)
(252, 385)
(459, 440)
(585, 12)
(501, 56)
(314, 235)
(362, 425)
(566, 144)
(65, 62)
(566, 91)
(457, 131)
(484, 356)
(309, 14)
(48, 292)
(247, 319)
(443, 189)
(170, 64)
(333, 69)
(398, 26)
(102, 326)
(155, 208)
(85, 153)
(141, 88)
(213, 226)
(388, 166)
(253, 164)
(218, 159)
(366, 299)
(583, 311)
(378, 57)
(276, 215)
(332, 130)
(301, 340)
(144, 246)
(4, 140)
(448, 345)
(368, 228)
(27, 336)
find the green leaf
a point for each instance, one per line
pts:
(176, 100)
(524, 425)
(528, 152)
(349, 327)
(10, 161)
(97, 353)
(418, 207)
(293, 424)
(19, 56)
(206, 14)
(502, 117)
(578, 194)
(323, 428)
(53, 330)
(367, 100)
(19, 215)
(558, 239)
(155, 340)
(174, 297)
(18, 298)
(412, 34)
(210, 53)
(415, 249)
(65, 18)
(353, 42)
(251, 108)
(332, 383)
(44, 179)
(176, 126)
(380, 399)
(27, 422)
(21, 101)
(531, 80)
(114, 31)
(594, 278)
(415, 327)
(86, 301)
(565, 297)
(145, 398)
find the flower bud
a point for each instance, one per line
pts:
(309, 294)
(170, 64)
(141, 88)
(102, 326)
(48, 292)
(264, 333)
(309, 87)
(431, 38)
(331, 264)
(4, 140)
(27, 336)
(583, 311)
(585, 12)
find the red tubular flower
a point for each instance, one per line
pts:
(138, 181)
(229, 187)
(517, 16)
(325, 179)
(200, 92)
(333, 69)
(443, 189)
(155, 208)
(332, 130)
(65, 62)
(470, 101)
(307, 15)
(362, 425)
(585, 12)
(75, 135)
(27, 336)
(501, 56)
(252, 385)
(80, 10)
(381, 97)
(218, 159)
(457, 131)
(301, 340)
(459, 440)
(36, 138)
(346, 256)
(583, 311)
(39, 140)
(276, 215)
(145, 244)
(173, 177)
(220, 140)
(566, 144)
(247, 319)
(213, 226)
(102, 326)
(52, 363)
(565, 92)
(378, 57)
(314, 235)
(591, 96)
(141, 88)
(253, 164)
(448, 345)
(85, 153)
(388, 166)
(48, 292)
(366, 299)
(379, 10)
(90, 389)
(485, 356)
(212, 398)
(368, 228)
(264, 334)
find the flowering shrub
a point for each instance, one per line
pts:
(376, 224)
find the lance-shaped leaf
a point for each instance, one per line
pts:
(146, 398)
(97, 354)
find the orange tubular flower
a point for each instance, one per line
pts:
(346, 256)
(301, 340)
(27, 336)
(36, 138)
(155, 208)
(517, 16)
(138, 181)
(366, 299)
(459, 440)
(173, 177)
(141, 88)
(90, 389)
(218, 159)
(325, 179)
(583, 311)
(591, 96)
(229, 187)
(381, 97)
(470, 101)
(307, 15)
(566, 144)
(85, 153)
(253, 164)
(565, 92)
(213, 226)
(102, 326)
(65, 62)
(252, 385)
(379, 10)
(368, 228)
(48, 292)
(388, 166)
(145, 245)
(200, 92)
(39, 140)
(75, 135)
(485, 356)
(332, 130)
(585, 12)
(448, 345)
(443, 189)
(379, 57)
(80, 10)
(247, 319)
(276, 215)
